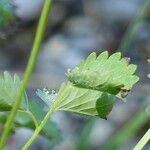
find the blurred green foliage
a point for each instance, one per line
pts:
(129, 130)
(29, 114)
(7, 14)
(149, 73)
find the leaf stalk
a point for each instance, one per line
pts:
(28, 71)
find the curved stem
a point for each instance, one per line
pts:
(46, 118)
(33, 118)
(143, 141)
(28, 71)
(38, 129)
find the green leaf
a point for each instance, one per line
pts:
(8, 90)
(106, 74)
(94, 84)
(7, 13)
(46, 97)
(84, 101)
(23, 119)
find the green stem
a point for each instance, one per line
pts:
(44, 121)
(33, 118)
(143, 141)
(28, 71)
(127, 38)
(38, 129)
(127, 131)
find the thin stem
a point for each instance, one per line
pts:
(31, 116)
(38, 129)
(127, 38)
(28, 71)
(143, 141)
(44, 121)
(127, 131)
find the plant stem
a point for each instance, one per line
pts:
(127, 131)
(143, 141)
(38, 129)
(127, 38)
(28, 71)
(44, 121)
(33, 118)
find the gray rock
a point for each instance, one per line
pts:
(27, 10)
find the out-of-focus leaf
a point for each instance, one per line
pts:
(129, 130)
(3, 119)
(8, 90)
(6, 13)
(23, 119)
(84, 139)
(50, 130)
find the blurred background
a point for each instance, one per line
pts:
(76, 28)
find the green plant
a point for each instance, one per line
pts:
(128, 130)
(132, 127)
(81, 95)
(28, 71)
(146, 136)
(91, 90)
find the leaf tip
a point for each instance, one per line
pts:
(103, 55)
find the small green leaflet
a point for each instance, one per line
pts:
(46, 96)
(105, 73)
(8, 90)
